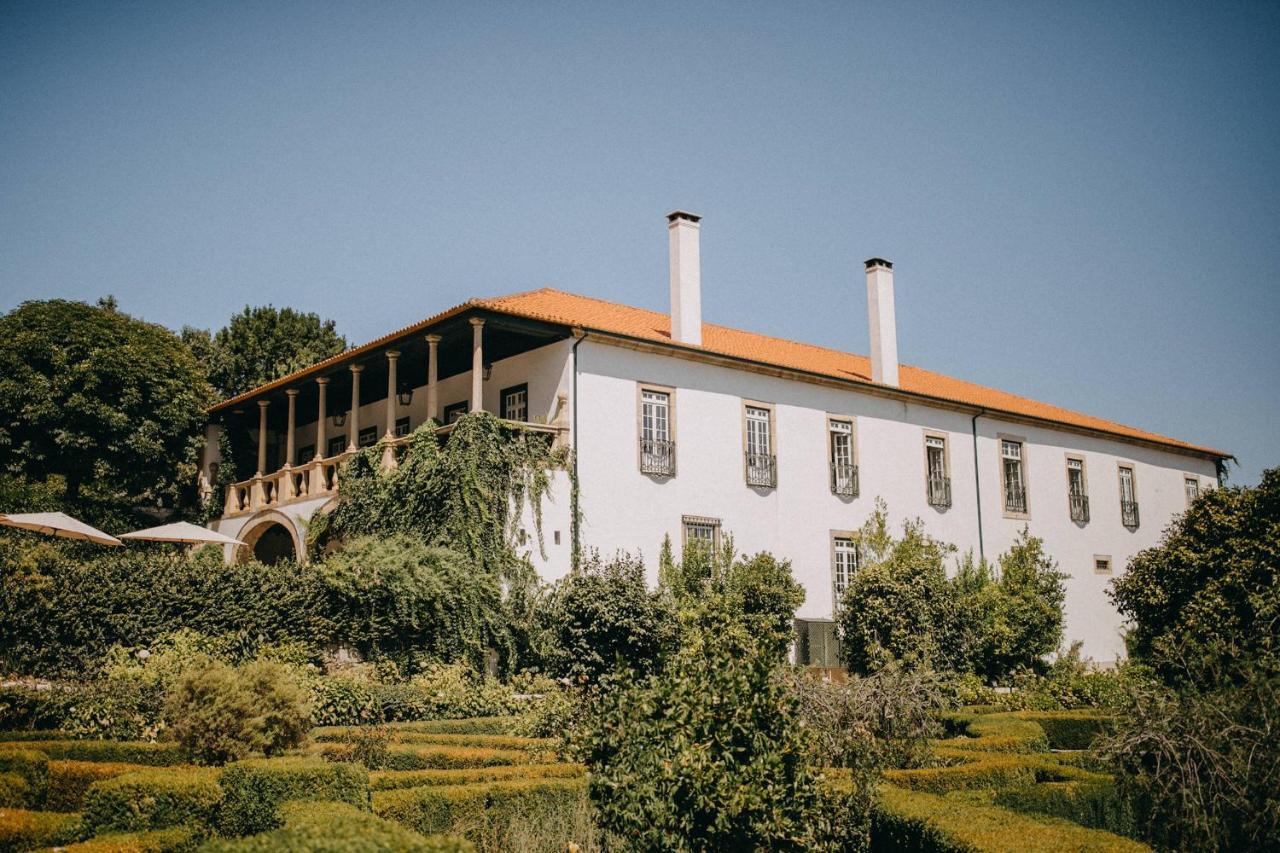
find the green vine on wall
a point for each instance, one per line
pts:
(467, 494)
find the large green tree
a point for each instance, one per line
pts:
(98, 398)
(262, 344)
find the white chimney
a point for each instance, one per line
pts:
(686, 278)
(884, 329)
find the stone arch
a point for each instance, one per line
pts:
(269, 537)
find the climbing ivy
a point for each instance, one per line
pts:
(467, 494)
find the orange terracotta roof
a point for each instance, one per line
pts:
(569, 309)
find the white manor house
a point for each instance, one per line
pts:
(690, 430)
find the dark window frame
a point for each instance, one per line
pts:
(502, 400)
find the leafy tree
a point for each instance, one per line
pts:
(899, 605)
(762, 589)
(95, 397)
(603, 617)
(1206, 600)
(262, 344)
(708, 753)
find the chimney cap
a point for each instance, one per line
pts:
(683, 214)
(879, 262)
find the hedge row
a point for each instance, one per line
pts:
(130, 752)
(254, 790)
(21, 829)
(409, 756)
(153, 799)
(482, 811)
(390, 780)
(336, 828)
(467, 726)
(69, 780)
(1023, 731)
(916, 821)
(16, 792)
(33, 734)
(178, 839)
(335, 734)
(1067, 729)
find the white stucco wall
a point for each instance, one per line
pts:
(624, 509)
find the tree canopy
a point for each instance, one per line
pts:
(94, 396)
(262, 344)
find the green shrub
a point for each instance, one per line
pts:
(1068, 729)
(481, 810)
(449, 739)
(254, 789)
(30, 764)
(389, 780)
(28, 708)
(968, 770)
(1091, 800)
(1000, 733)
(150, 754)
(327, 827)
(917, 821)
(344, 701)
(409, 756)
(468, 726)
(15, 792)
(21, 829)
(177, 839)
(34, 734)
(152, 799)
(68, 781)
(218, 713)
(367, 745)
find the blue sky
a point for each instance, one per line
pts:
(1082, 201)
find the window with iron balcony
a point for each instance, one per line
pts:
(761, 466)
(844, 473)
(1015, 489)
(1128, 498)
(938, 482)
(1077, 497)
(657, 449)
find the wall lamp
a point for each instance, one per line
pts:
(340, 419)
(488, 370)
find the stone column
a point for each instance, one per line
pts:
(353, 420)
(262, 436)
(477, 364)
(289, 445)
(392, 357)
(322, 411)
(433, 392)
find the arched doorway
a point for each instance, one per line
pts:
(270, 538)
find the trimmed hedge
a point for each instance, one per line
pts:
(537, 744)
(914, 821)
(1068, 729)
(69, 780)
(480, 810)
(15, 792)
(336, 828)
(153, 799)
(969, 769)
(467, 726)
(129, 752)
(999, 733)
(32, 765)
(390, 780)
(37, 734)
(254, 789)
(21, 829)
(410, 756)
(178, 839)
(1089, 799)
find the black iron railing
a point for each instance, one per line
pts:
(657, 456)
(1015, 499)
(1079, 507)
(939, 491)
(761, 469)
(844, 479)
(1129, 513)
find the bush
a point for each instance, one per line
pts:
(29, 708)
(395, 596)
(913, 820)
(409, 756)
(178, 839)
(26, 830)
(388, 780)
(1205, 603)
(254, 789)
(368, 746)
(706, 757)
(344, 701)
(152, 799)
(29, 763)
(149, 754)
(336, 828)
(1200, 769)
(603, 616)
(219, 714)
(16, 792)
(69, 780)
(1089, 800)
(65, 608)
(480, 811)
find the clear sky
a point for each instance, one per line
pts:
(1082, 200)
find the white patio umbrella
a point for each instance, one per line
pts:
(184, 532)
(58, 524)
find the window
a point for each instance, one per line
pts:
(817, 644)
(368, 436)
(1128, 498)
(844, 473)
(1015, 487)
(402, 426)
(937, 480)
(1101, 565)
(337, 445)
(657, 450)
(761, 464)
(456, 410)
(844, 562)
(1192, 487)
(306, 454)
(703, 531)
(515, 403)
(1077, 494)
